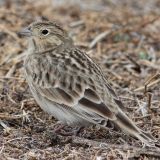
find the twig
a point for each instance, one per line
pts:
(157, 76)
(99, 38)
(88, 142)
(1, 149)
(138, 67)
(42, 121)
(18, 138)
(7, 129)
(76, 23)
(149, 95)
(140, 42)
(148, 64)
(11, 71)
(5, 59)
(142, 88)
(11, 99)
(12, 117)
(17, 78)
(99, 49)
(81, 44)
(142, 117)
(145, 23)
(114, 73)
(24, 101)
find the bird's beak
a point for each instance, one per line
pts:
(25, 32)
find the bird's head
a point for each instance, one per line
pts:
(45, 35)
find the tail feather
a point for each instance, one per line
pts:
(126, 125)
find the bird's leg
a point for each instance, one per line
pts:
(75, 132)
(58, 126)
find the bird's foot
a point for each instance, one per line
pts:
(65, 130)
(58, 127)
(62, 130)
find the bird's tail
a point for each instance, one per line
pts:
(124, 123)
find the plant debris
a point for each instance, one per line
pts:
(122, 37)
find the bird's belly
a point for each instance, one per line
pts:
(63, 113)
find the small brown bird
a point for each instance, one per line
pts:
(69, 85)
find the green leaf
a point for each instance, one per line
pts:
(143, 55)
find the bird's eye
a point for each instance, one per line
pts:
(45, 31)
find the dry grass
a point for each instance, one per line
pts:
(123, 38)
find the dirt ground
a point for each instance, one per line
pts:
(123, 37)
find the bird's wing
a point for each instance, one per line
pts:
(76, 93)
